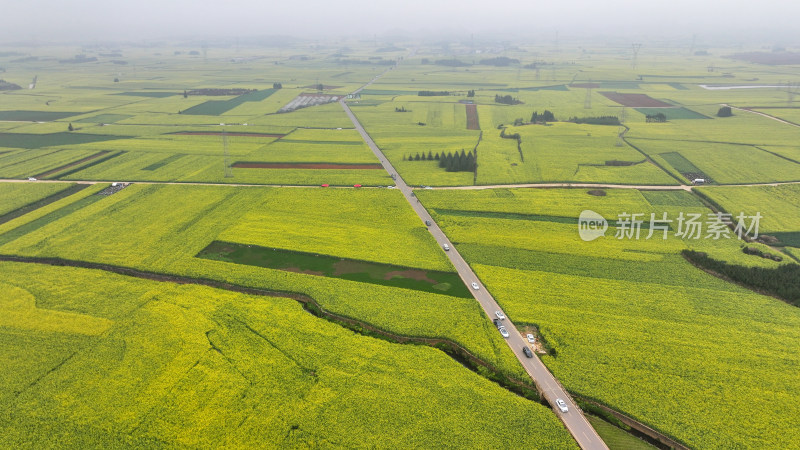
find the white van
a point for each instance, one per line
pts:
(446, 247)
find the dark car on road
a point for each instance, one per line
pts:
(527, 351)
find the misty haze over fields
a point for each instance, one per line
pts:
(43, 21)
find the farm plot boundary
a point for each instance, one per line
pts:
(437, 282)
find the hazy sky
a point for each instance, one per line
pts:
(42, 20)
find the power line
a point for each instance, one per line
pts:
(635, 48)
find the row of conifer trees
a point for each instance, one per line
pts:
(451, 162)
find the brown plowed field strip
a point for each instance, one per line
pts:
(636, 100)
(472, 117)
(260, 165)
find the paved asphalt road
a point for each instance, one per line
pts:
(574, 420)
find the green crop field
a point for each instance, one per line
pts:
(723, 163)
(17, 195)
(563, 152)
(90, 358)
(130, 362)
(777, 205)
(667, 336)
(168, 242)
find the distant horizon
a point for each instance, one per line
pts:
(737, 21)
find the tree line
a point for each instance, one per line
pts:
(507, 100)
(500, 61)
(599, 120)
(450, 162)
(544, 117)
(782, 281)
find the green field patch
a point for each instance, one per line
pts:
(673, 113)
(35, 116)
(387, 92)
(331, 266)
(777, 204)
(598, 267)
(82, 166)
(217, 107)
(532, 217)
(619, 85)
(300, 141)
(150, 94)
(280, 165)
(367, 102)
(65, 191)
(616, 437)
(71, 164)
(680, 163)
(236, 134)
(48, 218)
(20, 140)
(791, 238)
(672, 198)
(163, 162)
(181, 364)
(678, 86)
(555, 87)
(104, 118)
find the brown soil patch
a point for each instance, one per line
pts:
(265, 165)
(419, 275)
(472, 117)
(636, 100)
(217, 133)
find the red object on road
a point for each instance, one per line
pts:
(324, 185)
(356, 185)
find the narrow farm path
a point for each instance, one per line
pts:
(762, 114)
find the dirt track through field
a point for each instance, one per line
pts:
(472, 117)
(763, 114)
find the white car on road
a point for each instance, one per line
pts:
(475, 286)
(562, 406)
(503, 331)
(500, 315)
